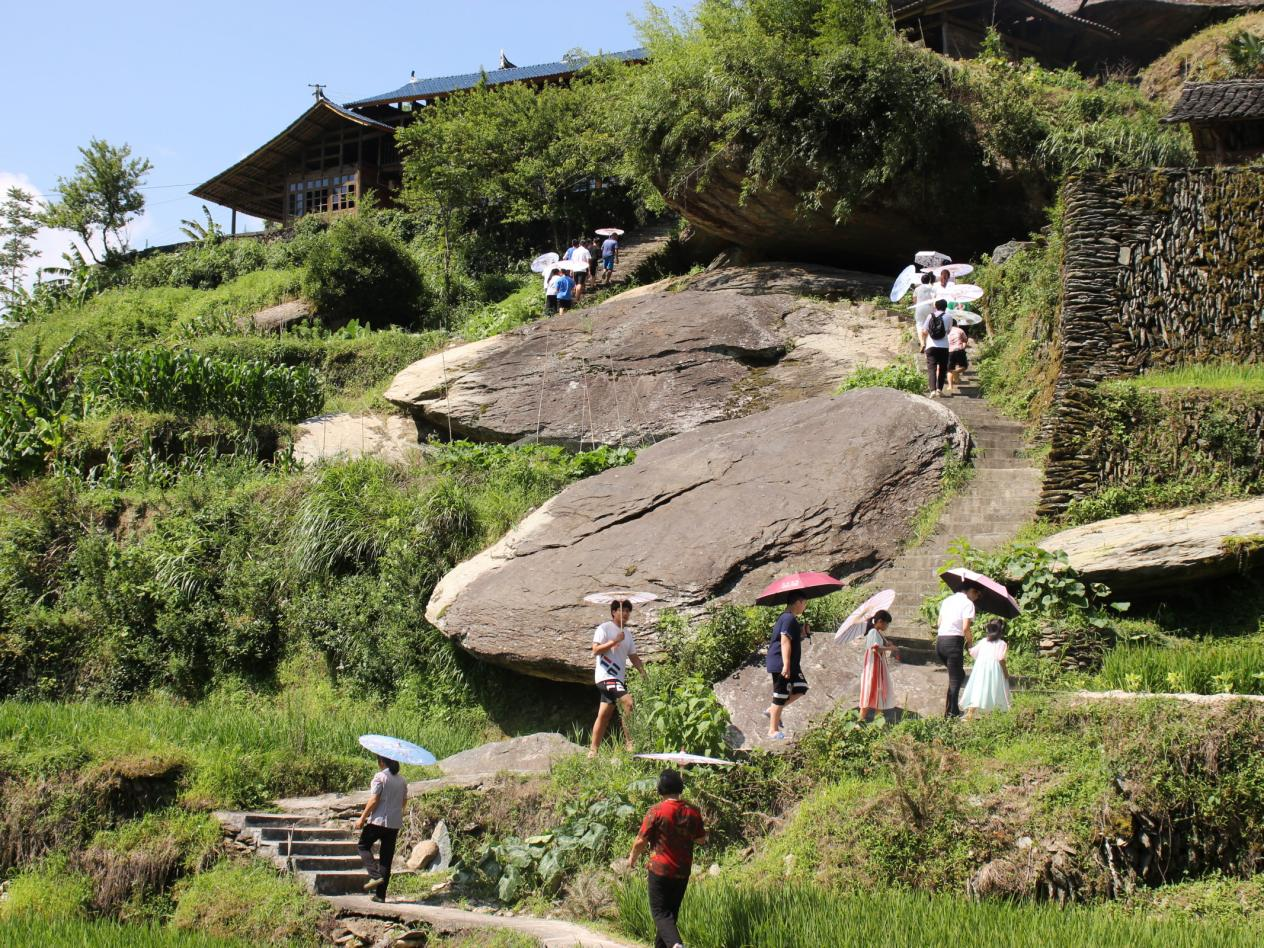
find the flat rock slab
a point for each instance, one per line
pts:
(652, 363)
(549, 932)
(532, 754)
(833, 674)
(1146, 553)
(825, 484)
(276, 318)
(348, 436)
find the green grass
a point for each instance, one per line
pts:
(239, 748)
(717, 914)
(1200, 667)
(252, 901)
(82, 933)
(1222, 377)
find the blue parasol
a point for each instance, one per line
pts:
(392, 748)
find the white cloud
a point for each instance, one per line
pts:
(49, 244)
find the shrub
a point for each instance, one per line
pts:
(359, 272)
(677, 712)
(250, 901)
(49, 891)
(901, 376)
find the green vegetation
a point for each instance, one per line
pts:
(901, 376)
(360, 272)
(718, 914)
(1213, 377)
(249, 901)
(1207, 56)
(106, 934)
(1017, 360)
(1231, 666)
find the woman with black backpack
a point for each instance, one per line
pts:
(933, 331)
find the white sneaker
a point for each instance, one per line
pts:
(934, 394)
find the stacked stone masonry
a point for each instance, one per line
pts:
(1161, 268)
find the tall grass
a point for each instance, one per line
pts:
(98, 934)
(718, 914)
(239, 748)
(1202, 668)
(1219, 377)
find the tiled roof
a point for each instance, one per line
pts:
(1227, 101)
(428, 88)
(903, 9)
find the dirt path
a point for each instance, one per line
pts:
(551, 933)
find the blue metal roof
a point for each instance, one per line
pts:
(428, 88)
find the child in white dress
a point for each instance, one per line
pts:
(988, 687)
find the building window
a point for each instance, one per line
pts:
(344, 192)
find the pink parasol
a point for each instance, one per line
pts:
(995, 598)
(810, 585)
(853, 626)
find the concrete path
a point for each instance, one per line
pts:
(551, 933)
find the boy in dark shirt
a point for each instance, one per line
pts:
(785, 650)
(671, 828)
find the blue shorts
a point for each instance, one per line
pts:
(608, 262)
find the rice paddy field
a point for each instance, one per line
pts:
(1204, 667)
(1222, 377)
(78, 933)
(720, 915)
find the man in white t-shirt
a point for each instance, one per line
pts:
(956, 616)
(613, 647)
(582, 255)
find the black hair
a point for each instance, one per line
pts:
(970, 584)
(575, 242)
(670, 783)
(995, 629)
(795, 597)
(619, 604)
(391, 765)
(880, 616)
(928, 278)
(941, 305)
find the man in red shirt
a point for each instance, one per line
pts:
(670, 829)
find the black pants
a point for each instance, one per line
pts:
(936, 367)
(951, 650)
(666, 894)
(379, 868)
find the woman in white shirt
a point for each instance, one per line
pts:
(380, 823)
(956, 616)
(934, 330)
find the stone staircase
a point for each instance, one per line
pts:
(998, 501)
(638, 246)
(321, 854)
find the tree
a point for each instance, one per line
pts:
(207, 231)
(19, 223)
(102, 196)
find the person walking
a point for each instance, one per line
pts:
(670, 830)
(958, 361)
(609, 256)
(956, 616)
(784, 663)
(933, 332)
(594, 252)
(580, 254)
(550, 290)
(613, 647)
(380, 823)
(565, 292)
(988, 687)
(877, 691)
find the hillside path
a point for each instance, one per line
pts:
(998, 501)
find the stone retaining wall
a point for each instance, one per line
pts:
(1161, 268)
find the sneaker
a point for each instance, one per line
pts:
(779, 736)
(371, 885)
(377, 898)
(934, 394)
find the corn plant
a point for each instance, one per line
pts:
(34, 410)
(190, 384)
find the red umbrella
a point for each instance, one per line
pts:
(810, 585)
(994, 598)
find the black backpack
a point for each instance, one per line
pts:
(936, 329)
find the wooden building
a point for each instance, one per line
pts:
(328, 157)
(1226, 118)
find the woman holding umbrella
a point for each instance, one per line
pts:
(956, 616)
(380, 823)
(877, 691)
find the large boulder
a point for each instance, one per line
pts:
(656, 362)
(825, 484)
(347, 436)
(1151, 552)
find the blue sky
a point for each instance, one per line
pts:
(195, 87)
